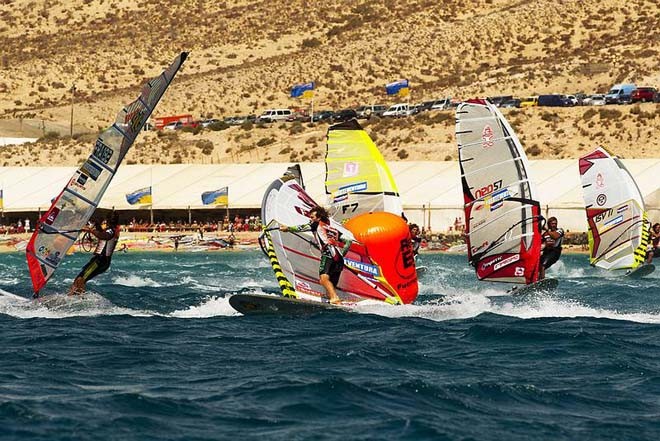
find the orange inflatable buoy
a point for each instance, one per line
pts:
(387, 239)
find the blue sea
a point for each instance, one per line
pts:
(155, 352)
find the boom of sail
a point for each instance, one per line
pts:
(58, 228)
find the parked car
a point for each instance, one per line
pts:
(499, 100)
(175, 125)
(529, 101)
(514, 102)
(644, 94)
(344, 115)
(442, 104)
(398, 111)
(570, 100)
(324, 115)
(208, 122)
(620, 94)
(272, 115)
(594, 100)
(551, 100)
(365, 112)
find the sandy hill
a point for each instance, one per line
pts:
(245, 56)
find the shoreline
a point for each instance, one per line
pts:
(212, 242)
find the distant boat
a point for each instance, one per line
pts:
(618, 223)
(502, 212)
(59, 227)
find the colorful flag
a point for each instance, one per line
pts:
(305, 90)
(400, 88)
(216, 197)
(140, 197)
(2, 200)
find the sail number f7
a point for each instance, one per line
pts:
(488, 189)
(102, 152)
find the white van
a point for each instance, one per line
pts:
(398, 110)
(620, 93)
(272, 115)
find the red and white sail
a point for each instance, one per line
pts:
(58, 228)
(501, 208)
(618, 225)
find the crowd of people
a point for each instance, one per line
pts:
(237, 224)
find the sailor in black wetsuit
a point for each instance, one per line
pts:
(332, 253)
(108, 236)
(552, 238)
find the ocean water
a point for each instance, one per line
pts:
(156, 353)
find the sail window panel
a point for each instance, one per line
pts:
(109, 146)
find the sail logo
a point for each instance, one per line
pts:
(352, 188)
(612, 222)
(507, 261)
(102, 152)
(487, 137)
(361, 266)
(351, 169)
(52, 215)
(600, 181)
(602, 216)
(601, 199)
(306, 288)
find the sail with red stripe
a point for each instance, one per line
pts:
(58, 228)
(501, 208)
(295, 257)
(617, 219)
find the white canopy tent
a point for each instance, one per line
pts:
(431, 191)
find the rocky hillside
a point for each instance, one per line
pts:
(245, 56)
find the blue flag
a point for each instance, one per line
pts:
(299, 89)
(395, 87)
(216, 197)
(141, 197)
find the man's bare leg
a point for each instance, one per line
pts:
(329, 288)
(78, 287)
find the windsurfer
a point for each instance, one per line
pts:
(332, 253)
(415, 238)
(108, 236)
(654, 243)
(552, 239)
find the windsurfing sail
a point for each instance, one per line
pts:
(501, 210)
(618, 224)
(295, 257)
(58, 228)
(357, 178)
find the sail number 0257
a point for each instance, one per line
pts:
(488, 189)
(102, 152)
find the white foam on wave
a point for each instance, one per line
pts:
(210, 307)
(468, 304)
(136, 281)
(58, 306)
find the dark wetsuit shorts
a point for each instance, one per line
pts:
(331, 267)
(550, 256)
(98, 264)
